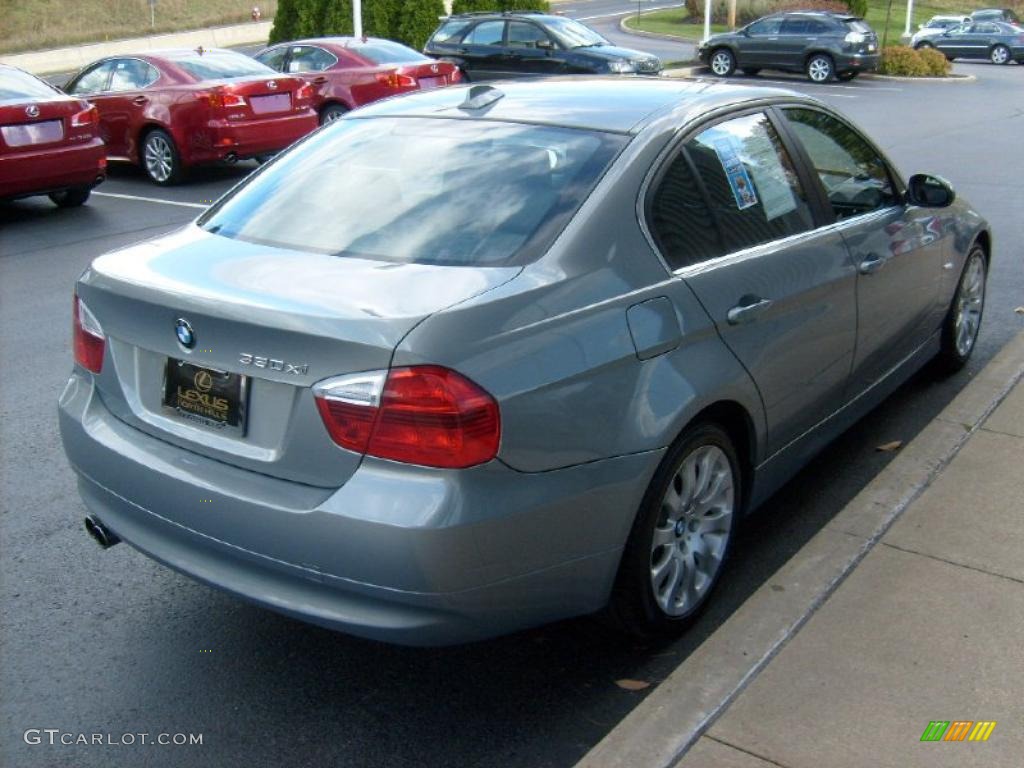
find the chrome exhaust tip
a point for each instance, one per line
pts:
(230, 158)
(100, 533)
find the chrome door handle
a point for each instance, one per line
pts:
(871, 264)
(748, 309)
(140, 100)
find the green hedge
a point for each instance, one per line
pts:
(469, 6)
(906, 62)
(407, 21)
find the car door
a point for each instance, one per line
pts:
(895, 247)
(734, 219)
(757, 44)
(531, 52)
(795, 37)
(124, 103)
(92, 83)
(483, 50)
(956, 42)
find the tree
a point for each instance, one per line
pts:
(419, 19)
(285, 21)
(469, 6)
(858, 7)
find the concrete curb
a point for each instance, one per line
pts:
(898, 78)
(670, 720)
(74, 58)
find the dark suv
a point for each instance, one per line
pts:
(824, 45)
(492, 45)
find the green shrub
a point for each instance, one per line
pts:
(858, 7)
(419, 19)
(285, 21)
(906, 62)
(469, 6)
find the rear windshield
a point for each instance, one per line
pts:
(858, 26)
(16, 85)
(419, 190)
(220, 65)
(386, 52)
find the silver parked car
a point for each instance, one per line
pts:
(482, 358)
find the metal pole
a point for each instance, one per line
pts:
(885, 32)
(910, 16)
(357, 18)
(732, 14)
(707, 19)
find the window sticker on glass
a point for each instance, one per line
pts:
(726, 147)
(770, 179)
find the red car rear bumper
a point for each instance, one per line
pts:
(240, 140)
(50, 169)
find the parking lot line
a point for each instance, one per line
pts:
(141, 199)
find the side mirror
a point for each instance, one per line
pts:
(545, 45)
(930, 191)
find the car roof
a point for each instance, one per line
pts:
(344, 41)
(612, 104)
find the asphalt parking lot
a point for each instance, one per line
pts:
(111, 642)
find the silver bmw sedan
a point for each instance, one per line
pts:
(481, 358)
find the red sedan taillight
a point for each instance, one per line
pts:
(304, 92)
(423, 414)
(396, 80)
(221, 98)
(89, 340)
(85, 118)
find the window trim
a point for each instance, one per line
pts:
(150, 65)
(288, 59)
(272, 49)
(95, 65)
(659, 168)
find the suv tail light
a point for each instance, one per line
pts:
(221, 98)
(87, 117)
(396, 80)
(89, 340)
(423, 414)
(856, 37)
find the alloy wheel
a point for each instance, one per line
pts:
(159, 158)
(692, 530)
(721, 63)
(819, 69)
(970, 301)
(1000, 54)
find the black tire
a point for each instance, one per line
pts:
(953, 355)
(1000, 54)
(820, 68)
(845, 77)
(332, 112)
(923, 46)
(160, 159)
(634, 608)
(71, 198)
(751, 71)
(722, 62)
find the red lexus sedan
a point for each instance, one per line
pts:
(49, 142)
(168, 110)
(348, 72)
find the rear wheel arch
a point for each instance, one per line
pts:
(144, 131)
(984, 239)
(736, 421)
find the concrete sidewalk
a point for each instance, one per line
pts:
(907, 608)
(928, 627)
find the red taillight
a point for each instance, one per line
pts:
(304, 92)
(396, 80)
(85, 118)
(424, 414)
(89, 340)
(222, 98)
(455, 76)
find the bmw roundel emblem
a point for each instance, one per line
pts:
(184, 332)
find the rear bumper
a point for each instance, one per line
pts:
(47, 170)
(857, 62)
(242, 140)
(401, 554)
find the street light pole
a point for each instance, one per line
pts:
(707, 19)
(910, 17)
(357, 18)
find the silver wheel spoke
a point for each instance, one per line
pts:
(969, 302)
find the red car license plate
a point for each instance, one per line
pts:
(33, 133)
(278, 102)
(431, 82)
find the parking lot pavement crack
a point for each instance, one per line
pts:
(745, 751)
(953, 563)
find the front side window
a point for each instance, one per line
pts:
(765, 27)
(487, 33)
(309, 58)
(419, 190)
(795, 27)
(274, 58)
(855, 177)
(95, 80)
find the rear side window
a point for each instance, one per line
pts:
(795, 27)
(680, 218)
(274, 58)
(524, 35)
(132, 74)
(417, 190)
(16, 85)
(487, 33)
(855, 177)
(450, 31)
